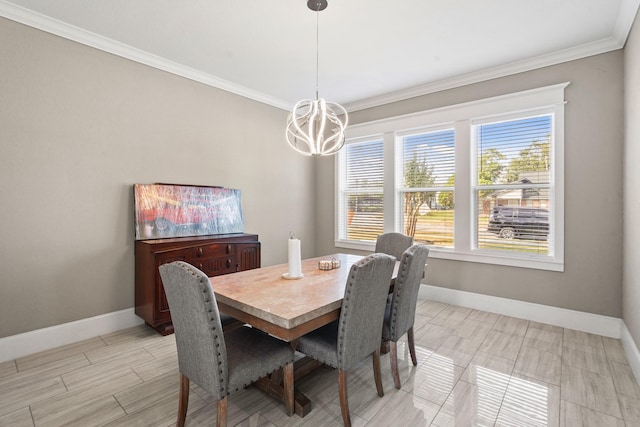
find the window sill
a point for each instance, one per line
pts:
(539, 263)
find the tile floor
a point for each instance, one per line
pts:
(474, 369)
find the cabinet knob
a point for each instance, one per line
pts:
(200, 266)
(199, 251)
(228, 249)
(228, 263)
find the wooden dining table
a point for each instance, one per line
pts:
(286, 308)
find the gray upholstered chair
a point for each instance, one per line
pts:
(219, 363)
(393, 244)
(345, 343)
(400, 312)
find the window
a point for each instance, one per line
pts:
(426, 186)
(480, 181)
(512, 183)
(360, 202)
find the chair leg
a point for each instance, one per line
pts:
(412, 346)
(393, 347)
(344, 402)
(183, 400)
(288, 388)
(222, 412)
(376, 372)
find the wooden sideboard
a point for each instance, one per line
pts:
(214, 255)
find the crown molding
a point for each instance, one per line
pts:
(79, 35)
(578, 52)
(624, 22)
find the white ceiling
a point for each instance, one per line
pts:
(371, 51)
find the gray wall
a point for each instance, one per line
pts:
(78, 127)
(631, 287)
(592, 280)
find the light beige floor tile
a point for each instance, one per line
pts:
(593, 362)
(543, 340)
(470, 405)
(164, 412)
(100, 372)
(51, 369)
(589, 389)
(474, 330)
(157, 367)
(19, 418)
(56, 354)
(583, 341)
(449, 318)
(614, 350)
(530, 403)
(488, 368)
(404, 409)
(431, 336)
(483, 316)
(623, 379)
(8, 368)
(122, 353)
(162, 348)
(429, 308)
(630, 407)
(511, 325)
(252, 400)
(140, 335)
(145, 394)
(364, 401)
(546, 327)
(405, 365)
(573, 415)
(502, 344)
(541, 365)
(459, 350)
(20, 394)
(255, 420)
(97, 412)
(82, 397)
(434, 379)
(420, 321)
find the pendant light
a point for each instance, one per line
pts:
(315, 127)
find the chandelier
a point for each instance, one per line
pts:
(314, 127)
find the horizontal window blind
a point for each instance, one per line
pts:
(360, 190)
(513, 184)
(425, 186)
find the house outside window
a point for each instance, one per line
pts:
(481, 181)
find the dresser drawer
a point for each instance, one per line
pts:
(214, 250)
(216, 266)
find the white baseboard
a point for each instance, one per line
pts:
(587, 322)
(44, 339)
(572, 319)
(55, 336)
(631, 350)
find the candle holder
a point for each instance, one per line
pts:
(324, 264)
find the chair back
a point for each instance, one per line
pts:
(362, 313)
(405, 291)
(393, 244)
(202, 354)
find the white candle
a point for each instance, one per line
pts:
(295, 262)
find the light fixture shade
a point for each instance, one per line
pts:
(315, 128)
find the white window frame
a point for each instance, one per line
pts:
(461, 116)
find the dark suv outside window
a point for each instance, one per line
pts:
(511, 222)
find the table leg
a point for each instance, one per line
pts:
(273, 386)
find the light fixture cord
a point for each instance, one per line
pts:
(317, 48)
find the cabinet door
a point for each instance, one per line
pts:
(162, 313)
(248, 256)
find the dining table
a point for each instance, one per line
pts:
(287, 308)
